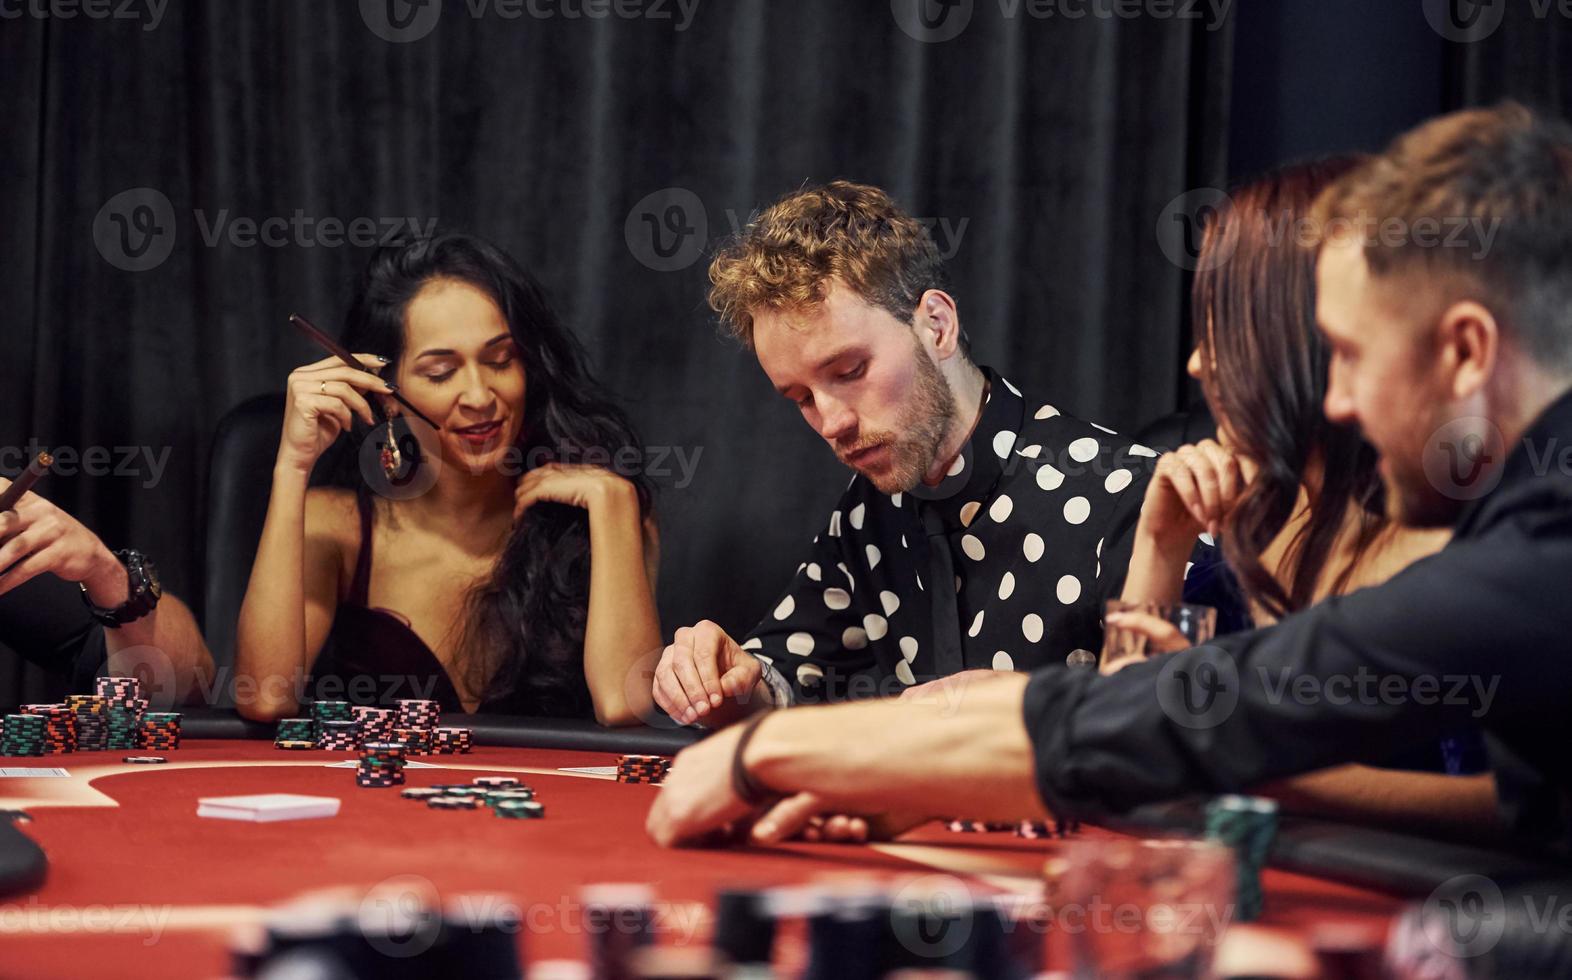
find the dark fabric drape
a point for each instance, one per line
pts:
(1044, 151)
(1518, 54)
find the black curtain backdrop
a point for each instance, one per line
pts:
(1520, 50)
(1043, 151)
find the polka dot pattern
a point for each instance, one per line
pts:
(1022, 525)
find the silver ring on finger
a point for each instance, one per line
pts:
(322, 389)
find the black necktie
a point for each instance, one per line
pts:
(947, 656)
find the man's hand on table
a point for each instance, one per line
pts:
(705, 676)
(697, 804)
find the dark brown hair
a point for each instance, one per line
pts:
(1264, 371)
(1480, 201)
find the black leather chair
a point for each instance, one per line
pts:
(239, 479)
(1181, 428)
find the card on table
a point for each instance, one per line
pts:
(267, 807)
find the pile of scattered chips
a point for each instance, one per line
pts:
(92, 721)
(338, 736)
(381, 764)
(451, 741)
(22, 735)
(1029, 829)
(418, 714)
(295, 733)
(161, 731)
(642, 768)
(376, 724)
(506, 796)
(59, 726)
(114, 718)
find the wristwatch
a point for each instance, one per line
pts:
(145, 592)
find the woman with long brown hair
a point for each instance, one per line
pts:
(1294, 501)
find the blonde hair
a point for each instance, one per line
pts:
(786, 257)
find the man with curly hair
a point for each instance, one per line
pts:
(972, 537)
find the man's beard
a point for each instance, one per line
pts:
(925, 421)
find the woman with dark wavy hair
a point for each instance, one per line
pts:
(1294, 501)
(496, 563)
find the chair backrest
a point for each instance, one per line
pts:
(239, 481)
(1181, 428)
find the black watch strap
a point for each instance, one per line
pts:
(145, 592)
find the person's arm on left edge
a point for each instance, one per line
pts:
(38, 538)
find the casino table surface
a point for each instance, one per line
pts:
(138, 884)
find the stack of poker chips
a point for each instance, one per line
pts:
(92, 722)
(381, 764)
(619, 921)
(515, 805)
(339, 736)
(22, 735)
(1247, 825)
(59, 726)
(418, 714)
(118, 690)
(394, 931)
(123, 709)
(642, 768)
(451, 741)
(161, 730)
(325, 711)
(295, 733)
(124, 727)
(376, 724)
(417, 739)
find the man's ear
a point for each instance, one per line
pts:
(939, 321)
(1469, 345)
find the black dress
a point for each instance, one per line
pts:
(373, 657)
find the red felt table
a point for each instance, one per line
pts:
(140, 885)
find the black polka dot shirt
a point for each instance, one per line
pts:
(1035, 517)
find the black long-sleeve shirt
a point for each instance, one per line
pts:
(1479, 634)
(45, 621)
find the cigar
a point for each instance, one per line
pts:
(35, 471)
(335, 348)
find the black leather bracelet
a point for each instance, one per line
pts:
(748, 789)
